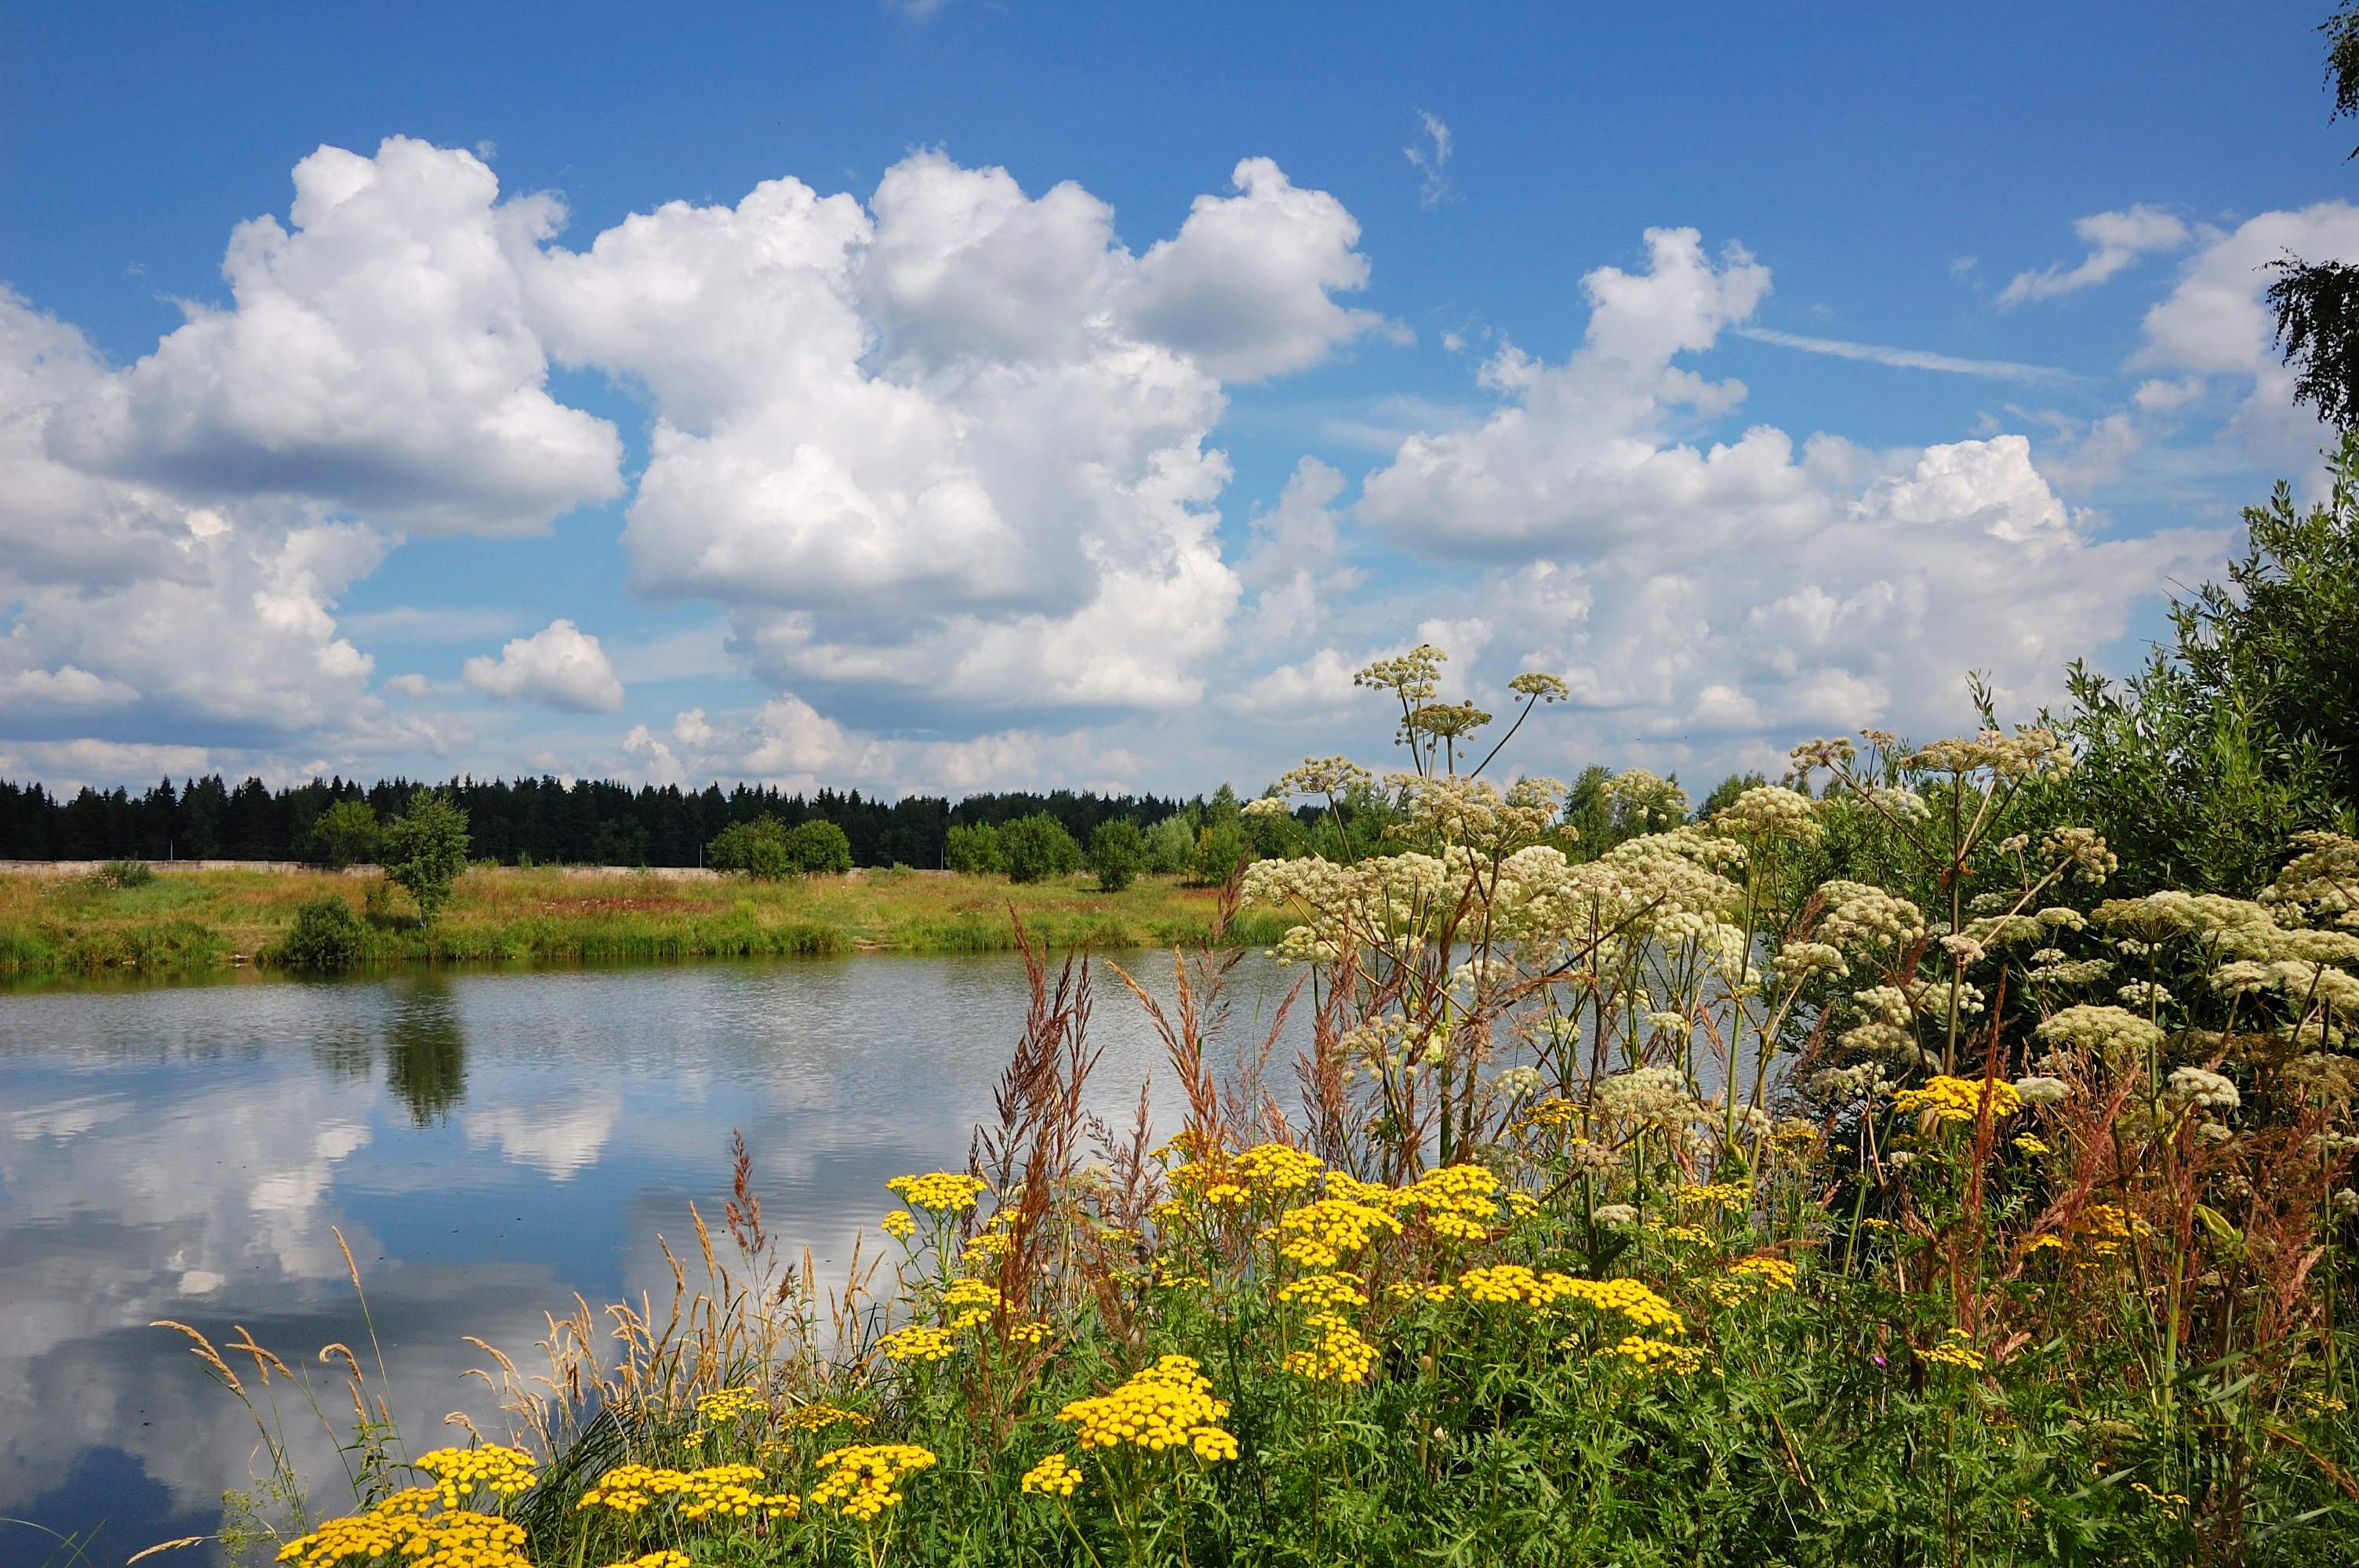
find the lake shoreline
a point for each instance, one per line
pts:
(199, 923)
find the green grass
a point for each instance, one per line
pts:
(196, 922)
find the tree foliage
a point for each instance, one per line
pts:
(1038, 848)
(325, 936)
(2244, 730)
(1118, 853)
(346, 833)
(425, 848)
(973, 848)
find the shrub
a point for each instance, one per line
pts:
(974, 850)
(1117, 852)
(817, 847)
(1218, 850)
(757, 848)
(1170, 843)
(326, 937)
(425, 849)
(123, 874)
(347, 833)
(1039, 848)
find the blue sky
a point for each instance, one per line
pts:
(982, 485)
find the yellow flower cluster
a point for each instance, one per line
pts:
(1456, 1201)
(1512, 1282)
(724, 1491)
(1053, 1477)
(1957, 1100)
(1553, 1112)
(1410, 1291)
(992, 1243)
(1169, 1405)
(1730, 1196)
(1029, 1333)
(457, 1472)
(812, 1417)
(665, 1557)
(1326, 1291)
(864, 1480)
(1956, 1349)
(898, 1225)
(726, 1405)
(1339, 1355)
(971, 1302)
(1693, 1236)
(1321, 1235)
(458, 1539)
(1523, 1206)
(938, 1192)
(2170, 1502)
(1277, 1168)
(1753, 1276)
(2102, 1229)
(916, 1342)
(1654, 1355)
(2031, 1145)
(1631, 1300)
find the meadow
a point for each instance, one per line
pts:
(1868, 1171)
(191, 923)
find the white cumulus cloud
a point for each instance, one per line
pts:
(2115, 239)
(561, 664)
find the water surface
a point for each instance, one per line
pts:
(489, 1144)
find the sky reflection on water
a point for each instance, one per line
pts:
(489, 1144)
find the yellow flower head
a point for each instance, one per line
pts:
(816, 1416)
(1957, 1100)
(1053, 1477)
(1654, 1355)
(1753, 1277)
(939, 1192)
(864, 1480)
(898, 1225)
(1168, 1406)
(457, 1472)
(1956, 1349)
(1338, 1354)
(1326, 1291)
(726, 1405)
(916, 1342)
(1322, 1235)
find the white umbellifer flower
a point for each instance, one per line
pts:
(2040, 1090)
(1265, 806)
(1901, 1160)
(1796, 960)
(2085, 848)
(1905, 804)
(1517, 1081)
(1860, 916)
(2345, 1204)
(1963, 949)
(1849, 1083)
(2144, 994)
(2104, 1030)
(1657, 1095)
(2202, 1088)
(1770, 811)
(1615, 1213)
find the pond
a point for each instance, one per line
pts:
(488, 1144)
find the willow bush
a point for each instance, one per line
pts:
(1844, 1177)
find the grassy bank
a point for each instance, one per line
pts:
(189, 922)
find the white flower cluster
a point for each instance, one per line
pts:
(1648, 1097)
(1859, 916)
(1797, 960)
(2110, 1033)
(1905, 804)
(2085, 848)
(2011, 757)
(2202, 1089)
(2041, 1089)
(2324, 877)
(1770, 812)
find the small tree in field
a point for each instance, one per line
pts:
(1117, 852)
(815, 848)
(1039, 848)
(347, 833)
(757, 848)
(974, 850)
(425, 848)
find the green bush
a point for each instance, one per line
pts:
(1118, 853)
(1170, 843)
(425, 849)
(757, 848)
(325, 937)
(1218, 850)
(974, 850)
(818, 847)
(346, 833)
(1039, 848)
(123, 874)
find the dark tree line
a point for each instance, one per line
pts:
(525, 822)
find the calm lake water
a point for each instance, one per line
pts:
(489, 1143)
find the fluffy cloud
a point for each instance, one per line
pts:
(1693, 598)
(561, 664)
(945, 458)
(376, 360)
(2115, 240)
